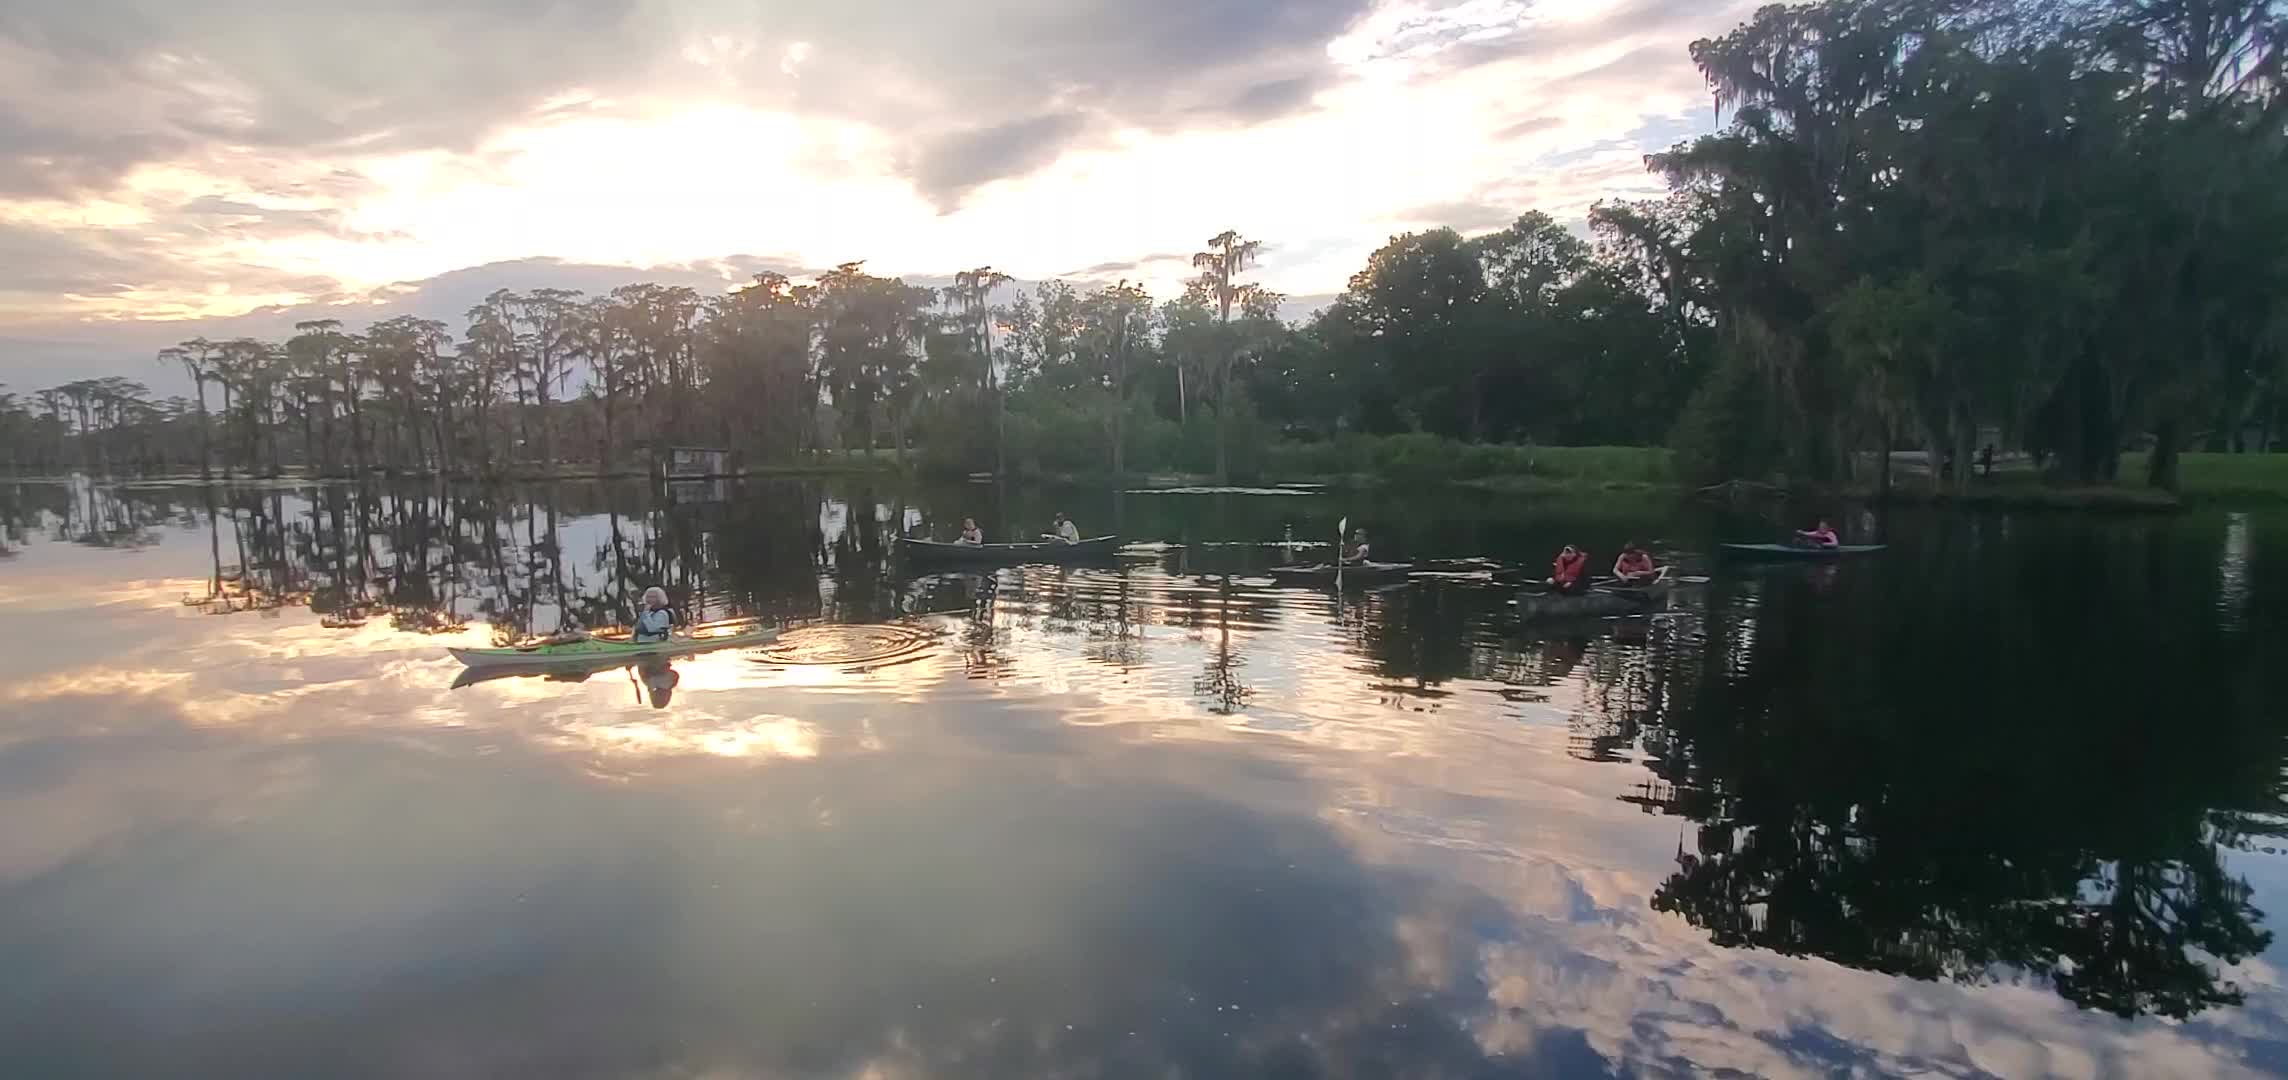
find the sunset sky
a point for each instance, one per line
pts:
(230, 166)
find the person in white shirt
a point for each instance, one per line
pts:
(970, 533)
(1065, 530)
(1359, 550)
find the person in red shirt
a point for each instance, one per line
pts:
(1570, 573)
(1635, 566)
(1820, 535)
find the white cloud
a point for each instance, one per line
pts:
(919, 148)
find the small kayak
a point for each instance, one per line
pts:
(605, 651)
(1798, 551)
(1049, 551)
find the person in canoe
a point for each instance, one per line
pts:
(1635, 566)
(1570, 572)
(1358, 551)
(1821, 535)
(1064, 531)
(970, 533)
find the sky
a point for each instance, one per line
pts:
(233, 166)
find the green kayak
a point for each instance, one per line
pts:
(602, 650)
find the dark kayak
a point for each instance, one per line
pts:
(1051, 551)
(1356, 571)
(1798, 551)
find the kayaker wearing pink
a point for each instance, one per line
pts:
(1635, 566)
(1821, 535)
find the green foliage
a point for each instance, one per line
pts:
(1068, 434)
(1930, 218)
(1729, 430)
(1522, 334)
(1924, 221)
(1424, 457)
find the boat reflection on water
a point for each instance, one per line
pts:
(655, 675)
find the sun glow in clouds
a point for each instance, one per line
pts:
(1432, 110)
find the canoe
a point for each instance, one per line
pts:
(1600, 601)
(1796, 551)
(603, 652)
(1099, 547)
(1326, 571)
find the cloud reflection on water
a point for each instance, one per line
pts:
(282, 848)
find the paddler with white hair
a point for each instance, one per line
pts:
(655, 620)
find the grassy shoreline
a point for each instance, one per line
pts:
(1359, 461)
(2220, 480)
(2011, 494)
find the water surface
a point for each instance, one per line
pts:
(2004, 800)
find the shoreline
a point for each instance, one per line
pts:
(2209, 480)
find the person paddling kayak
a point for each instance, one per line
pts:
(1635, 566)
(970, 533)
(1358, 552)
(1065, 530)
(1570, 572)
(655, 620)
(1821, 535)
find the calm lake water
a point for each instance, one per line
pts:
(2005, 800)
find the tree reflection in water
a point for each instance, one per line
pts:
(2036, 769)
(2011, 747)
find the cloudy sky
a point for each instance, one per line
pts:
(230, 166)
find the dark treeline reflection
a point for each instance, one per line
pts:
(2019, 745)
(2009, 746)
(526, 560)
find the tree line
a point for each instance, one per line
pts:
(1925, 223)
(2055, 219)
